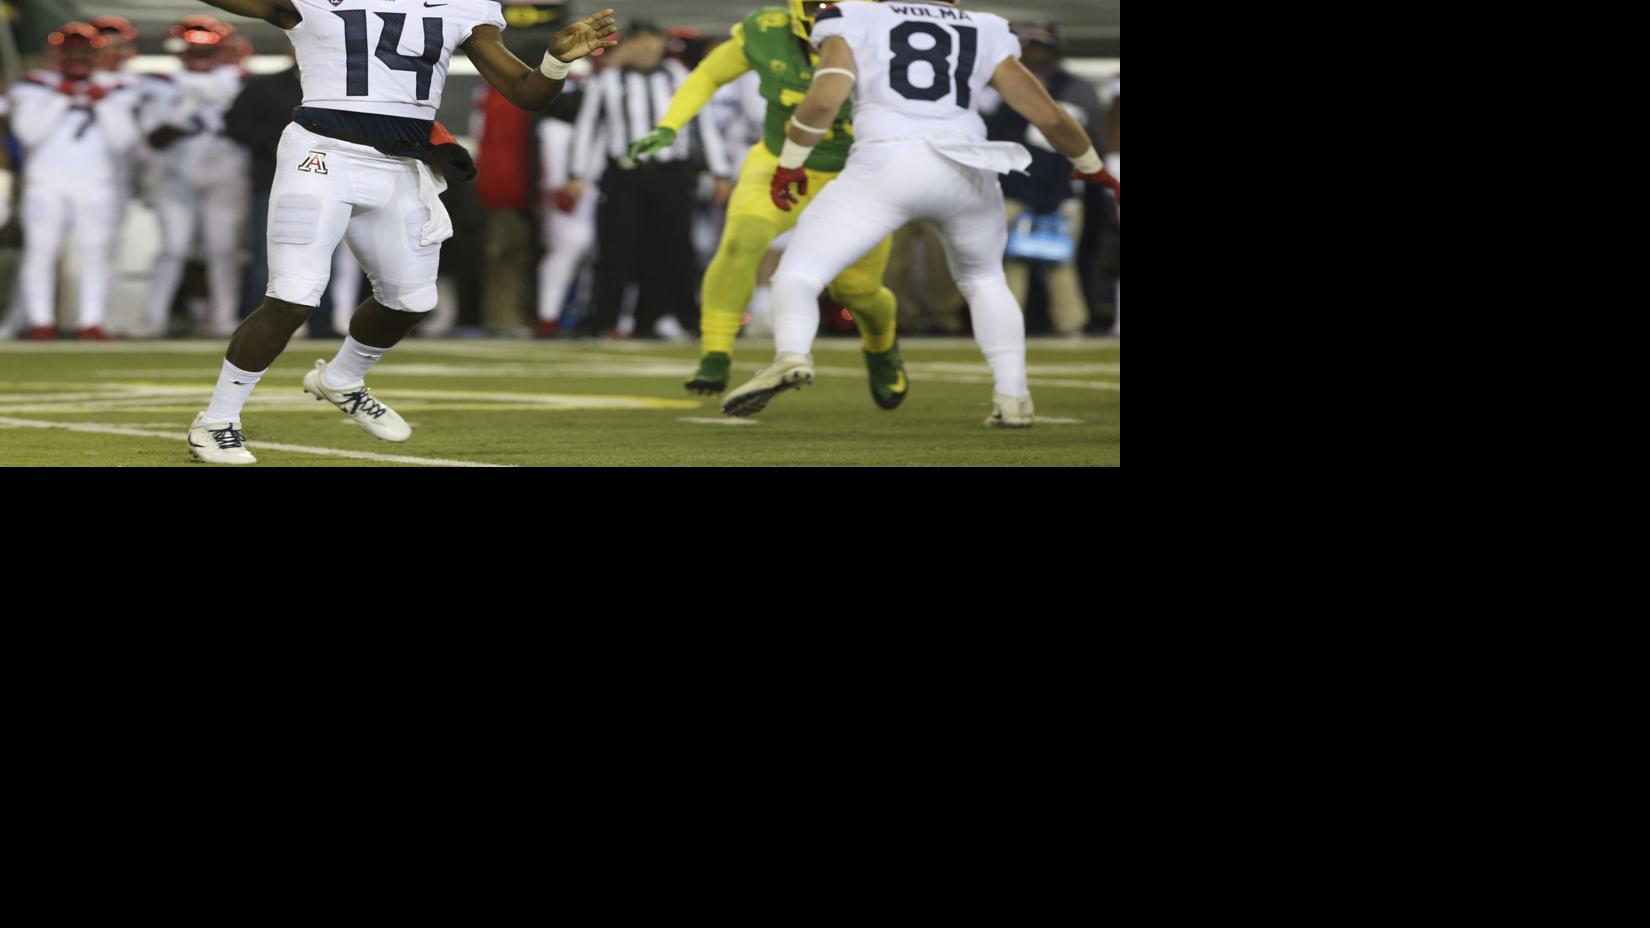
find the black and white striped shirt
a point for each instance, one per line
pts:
(622, 105)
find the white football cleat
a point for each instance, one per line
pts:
(1011, 412)
(787, 371)
(379, 420)
(218, 442)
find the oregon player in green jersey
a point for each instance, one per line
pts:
(773, 41)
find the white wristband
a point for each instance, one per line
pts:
(805, 128)
(1090, 162)
(554, 69)
(794, 155)
(5, 185)
(1114, 164)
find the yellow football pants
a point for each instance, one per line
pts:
(753, 223)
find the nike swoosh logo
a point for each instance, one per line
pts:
(900, 386)
(431, 6)
(193, 445)
(239, 384)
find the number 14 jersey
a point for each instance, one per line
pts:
(387, 57)
(921, 65)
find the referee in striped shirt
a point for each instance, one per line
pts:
(644, 223)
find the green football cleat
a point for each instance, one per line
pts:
(889, 385)
(712, 377)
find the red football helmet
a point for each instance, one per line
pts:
(203, 39)
(76, 49)
(122, 37)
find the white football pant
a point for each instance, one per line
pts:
(215, 212)
(52, 214)
(885, 186)
(570, 237)
(364, 196)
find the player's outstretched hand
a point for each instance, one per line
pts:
(97, 92)
(661, 139)
(592, 35)
(783, 178)
(1103, 178)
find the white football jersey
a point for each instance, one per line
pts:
(383, 56)
(922, 65)
(73, 141)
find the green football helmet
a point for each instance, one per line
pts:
(802, 18)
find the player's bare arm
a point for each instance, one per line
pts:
(536, 88)
(1026, 94)
(275, 12)
(833, 85)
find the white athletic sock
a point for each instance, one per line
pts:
(1000, 329)
(795, 315)
(349, 368)
(234, 386)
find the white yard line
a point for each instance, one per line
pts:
(917, 379)
(97, 429)
(718, 421)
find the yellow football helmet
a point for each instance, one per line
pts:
(802, 21)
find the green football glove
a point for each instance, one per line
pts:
(661, 139)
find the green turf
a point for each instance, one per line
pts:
(558, 404)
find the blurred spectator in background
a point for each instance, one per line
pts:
(644, 221)
(569, 221)
(200, 177)
(122, 37)
(505, 158)
(8, 183)
(10, 233)
(1045, 213)
(1114, 163)
(77, 128)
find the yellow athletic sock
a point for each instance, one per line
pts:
(875, 316)
(730, 280)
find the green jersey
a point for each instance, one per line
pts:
(785, 65)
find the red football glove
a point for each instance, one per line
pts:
(69, 88)
(1104, 179)
(783, 178)
(563, 200)
(97, 92)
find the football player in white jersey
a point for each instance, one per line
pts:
(915, 70)
(77, 129)
(356, 164)
(200, 180)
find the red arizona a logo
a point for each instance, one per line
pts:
(316, 163)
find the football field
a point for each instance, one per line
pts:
(556, 403)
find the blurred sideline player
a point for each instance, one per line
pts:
(8, 183)
(200, 178)
(569, 221)
(915, 71)
(123, 37)
(358, 163)
(77, 129)
(774, 43)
